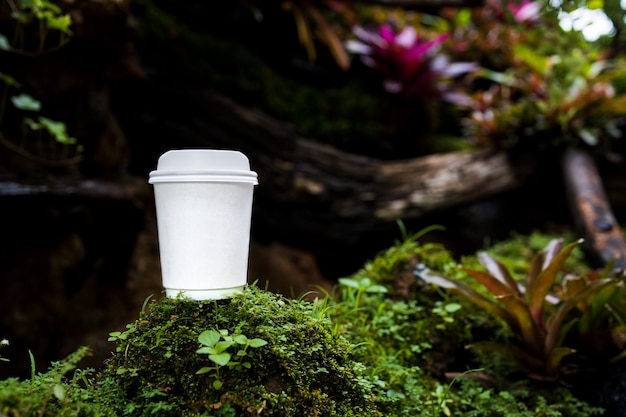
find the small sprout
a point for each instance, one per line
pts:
(215, 343)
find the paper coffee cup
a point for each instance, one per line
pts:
(203, 203)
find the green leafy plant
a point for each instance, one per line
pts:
(360, 286)
(538, 318)
(42, 17)
(216, 343)
(39, 19)
(60, 393)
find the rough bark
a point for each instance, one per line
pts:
(296, 170)
(591, 208)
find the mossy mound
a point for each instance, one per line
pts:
(302, 370)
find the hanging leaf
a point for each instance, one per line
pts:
(26, 102)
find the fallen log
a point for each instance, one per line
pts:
(300, 172)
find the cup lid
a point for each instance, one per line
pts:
(202, 159)
(203, 165)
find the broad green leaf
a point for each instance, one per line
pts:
(209, 337)
(220, 359)
(240, 339)
(26, 102)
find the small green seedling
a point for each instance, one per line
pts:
(215, 344)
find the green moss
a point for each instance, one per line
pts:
(304, 369)
(52, 394)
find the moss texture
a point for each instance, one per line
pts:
(303, 370)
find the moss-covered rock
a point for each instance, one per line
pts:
(303, 369)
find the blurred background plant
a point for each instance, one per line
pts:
(31, 28)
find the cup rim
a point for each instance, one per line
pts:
(207, 175)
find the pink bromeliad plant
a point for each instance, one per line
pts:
(538, 319)
(411, 65)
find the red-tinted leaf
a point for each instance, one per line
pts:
(553, 325)
(527, 362)
(530, 332)
(470, 294)
(552, 251)
(543, 283)
(494, 285)
(534, 271)
(498, 270)
(554, 360)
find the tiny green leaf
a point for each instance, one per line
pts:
(255, 343)
(209, 337)
(220, 359)
(452, 307)
(59, 392)
(26, 102)
(206, 350)
(203, 370)
(223, 345)
(349, 282)
(4, 43)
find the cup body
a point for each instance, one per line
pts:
(203, 203)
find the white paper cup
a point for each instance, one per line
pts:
(204, 206)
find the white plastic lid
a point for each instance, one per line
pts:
(203, 165)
